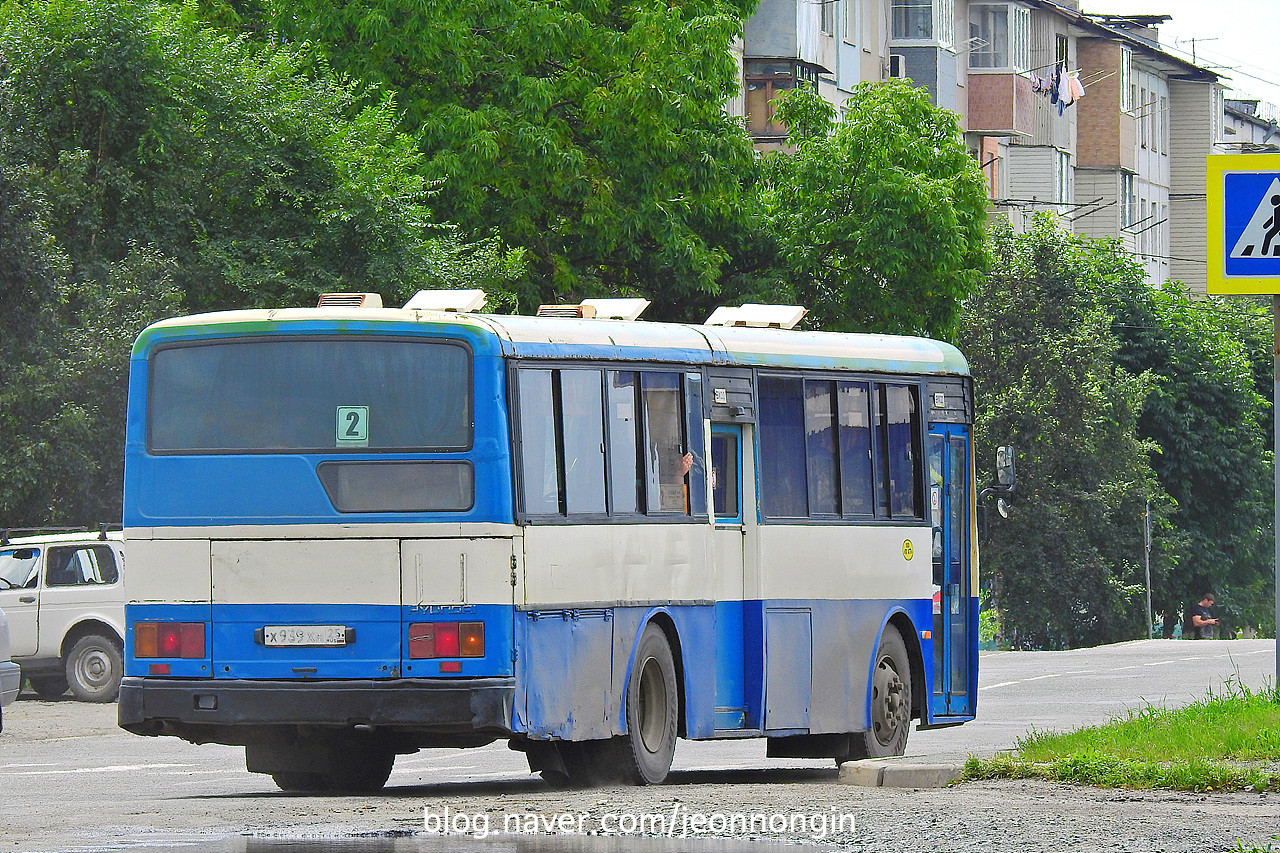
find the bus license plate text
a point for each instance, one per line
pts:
(304, 635)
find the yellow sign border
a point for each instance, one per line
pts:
(1217, 282)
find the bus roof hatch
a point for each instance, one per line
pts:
(760, 316)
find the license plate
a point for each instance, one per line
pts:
(304, 635)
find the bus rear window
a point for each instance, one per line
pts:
(310, 394)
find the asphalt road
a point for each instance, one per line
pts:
(69, 779)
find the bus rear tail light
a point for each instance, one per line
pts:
(168, 640)
(446, 640)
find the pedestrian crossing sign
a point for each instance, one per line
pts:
(1243, 199)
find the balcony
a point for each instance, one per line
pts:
(1000, 104)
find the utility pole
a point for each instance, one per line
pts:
(1240, 193)
(1146, 561)
(1275, 400)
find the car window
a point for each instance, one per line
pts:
(92, 564)
(18, 567)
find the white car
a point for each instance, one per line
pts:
(10, 673)
(64, 599)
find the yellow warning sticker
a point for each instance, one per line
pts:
(908, 550)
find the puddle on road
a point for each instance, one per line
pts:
(396, 843)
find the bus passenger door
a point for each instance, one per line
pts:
(949, 502)
(730, 552)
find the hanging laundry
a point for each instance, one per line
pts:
(1076, 87)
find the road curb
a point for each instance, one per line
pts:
(890, 773)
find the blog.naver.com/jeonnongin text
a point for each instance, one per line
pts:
(676, 822)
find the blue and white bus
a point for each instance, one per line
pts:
(355, 532)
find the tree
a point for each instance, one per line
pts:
(881, 216)
(1209, 419)
(1067, 571)
(150, 165)
(591, 133)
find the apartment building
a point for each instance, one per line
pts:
(1246, 131)
(1082, 115)
(1143, 147)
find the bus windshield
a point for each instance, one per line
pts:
(315, 394)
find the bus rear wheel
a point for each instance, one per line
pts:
(890, 700)
(359, 767)
(653, 704)
(303, 782)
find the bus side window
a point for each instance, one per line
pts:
(902, 449)
(696, 488)
(784, 490)
(624, 442)
(582, 427)
(665, 468)
(539, 458)
(820, 447)
(855, 448)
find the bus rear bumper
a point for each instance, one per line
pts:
(210, 710)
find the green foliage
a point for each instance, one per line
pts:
(1067, 570)
(149, 166)
(264, 179)
(1208, 412)
(591, 133)
(880, 216)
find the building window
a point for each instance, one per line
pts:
(827, 16)
(924, 20)
(1126, 199)
(1218, 117)
(766, 80)
(1062, 50)
(1162, 122)
(1144, 118)
(1126, 80)
(1063, 183)
(999, 36)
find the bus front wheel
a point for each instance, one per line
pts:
(652, 710)
(890, 700)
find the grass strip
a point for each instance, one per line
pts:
(1228, 741)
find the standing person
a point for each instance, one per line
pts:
(1200, 623)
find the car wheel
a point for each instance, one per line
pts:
(49, 686)
(94, 667)
(653, 704)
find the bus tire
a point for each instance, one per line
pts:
(301, 782)
(593, 763)
(653, 706)
(94, 667)
(890, 700)
(358, 766)
(49, 686)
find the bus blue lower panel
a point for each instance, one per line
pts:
(378, 645)
(190, 667)
(775, 667)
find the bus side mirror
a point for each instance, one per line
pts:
(1006, 469)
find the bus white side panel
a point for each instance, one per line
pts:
(167, 570)
(623, 564)
(838, 562)
(334, 571)
(456, 571)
